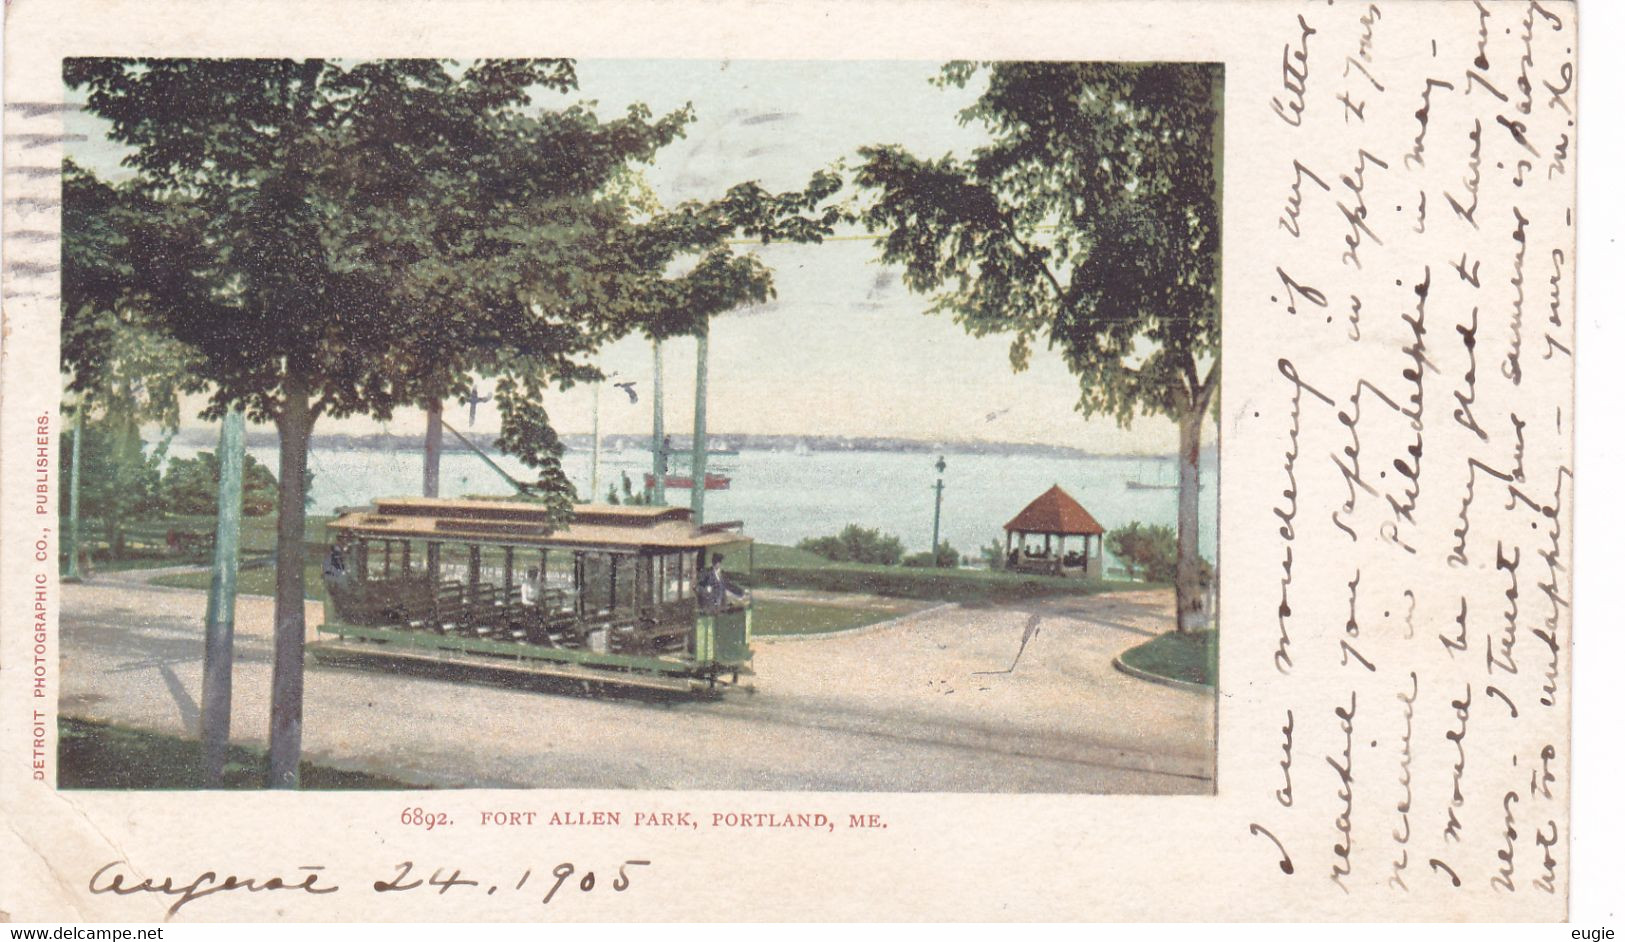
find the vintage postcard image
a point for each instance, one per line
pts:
(530, 470)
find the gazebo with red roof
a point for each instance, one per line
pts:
(1054, 515)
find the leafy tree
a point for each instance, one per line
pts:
(855, 544)
(1089, 222)
(946, 558)
(122, 372)
(336, 239)
(119, 479)
(192, 486)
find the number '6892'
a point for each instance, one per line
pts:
(428, 820)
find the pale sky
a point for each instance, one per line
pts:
(845, 349)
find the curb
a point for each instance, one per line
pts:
(1117, 662)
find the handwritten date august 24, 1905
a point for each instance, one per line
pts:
(114, 878)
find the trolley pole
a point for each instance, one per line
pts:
(219, 621)
(697, 491)
(657, 444)
(936, 518)
(431, 451)
(73, 574)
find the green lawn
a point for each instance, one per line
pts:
(99, 755)
(261, 580)
(1192, 657)
(774, 556)
(784, 567)
(258, 539)
(773, 617)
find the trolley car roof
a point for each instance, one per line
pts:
(516, 523)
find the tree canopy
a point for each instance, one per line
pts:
(119, 362)
(369, 235)
(1088, 223)
(346, 238)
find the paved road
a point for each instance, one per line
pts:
(935, 701)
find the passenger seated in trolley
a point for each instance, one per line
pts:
(530, 590)
(714, 587)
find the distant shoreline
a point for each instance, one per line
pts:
(720, 442)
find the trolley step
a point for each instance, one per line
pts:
(351, 654)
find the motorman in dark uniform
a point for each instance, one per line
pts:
(714, 587)
(335, 568)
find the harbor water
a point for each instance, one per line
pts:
(786, 496)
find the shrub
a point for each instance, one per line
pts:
(947, 558)
(192, 486)
(855, 544)
(1149, 551)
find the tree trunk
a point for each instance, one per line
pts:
(1188, 595)
(288, 640)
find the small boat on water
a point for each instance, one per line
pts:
(683, 482)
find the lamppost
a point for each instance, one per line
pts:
(936, 518)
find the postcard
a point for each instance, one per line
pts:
(510, 461)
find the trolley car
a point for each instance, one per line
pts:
(614, 597)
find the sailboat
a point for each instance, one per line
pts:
(1140, 485)
(1143, 485)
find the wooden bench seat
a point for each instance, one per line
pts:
(659, 629)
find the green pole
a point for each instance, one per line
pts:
(220, 617)
(697, 493)
(431, 448)
(592, 482)
(73, 574)
(658, 444)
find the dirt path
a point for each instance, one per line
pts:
(938, 700)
